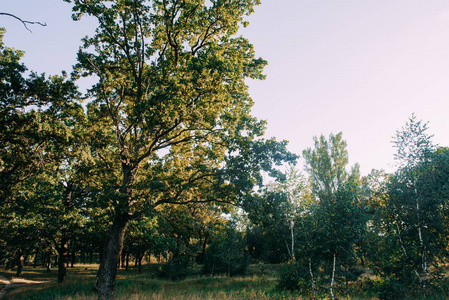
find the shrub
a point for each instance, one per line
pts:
(227, 255)
(178, 268)
(295, 277)
(390, 288)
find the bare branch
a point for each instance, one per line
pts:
(24, 22)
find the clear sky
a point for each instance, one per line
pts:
(360, 67)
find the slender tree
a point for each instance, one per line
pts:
(337, 219)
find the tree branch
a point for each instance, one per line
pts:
(24, 22)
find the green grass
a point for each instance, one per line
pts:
(133, 285)
(261, 284)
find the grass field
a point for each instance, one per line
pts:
(39, 284)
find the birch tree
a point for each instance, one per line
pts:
(414, 210)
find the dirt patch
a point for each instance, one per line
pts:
(25, 281)
(15, 283)
(5, 285)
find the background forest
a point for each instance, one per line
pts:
(162, 162)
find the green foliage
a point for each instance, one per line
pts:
(177, 268)
(42, 166)
(326, 164)
(227, 253)
(295, 277)
(407, 242)
(169, 116)
(390, 288)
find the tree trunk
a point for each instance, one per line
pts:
(44, 259)
(35, 261)
(333, 277)
(203, 251)
(73, 258)
(292, 224)
(48, 264)
(140, 262)
(123, 259)
(111, 253)
(127, 261)
(63, 252)
(312, 279)
(19, 262)
(107, 272)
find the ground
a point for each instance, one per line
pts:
(38, 283)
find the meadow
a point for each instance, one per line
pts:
(38, 283)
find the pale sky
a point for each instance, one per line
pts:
(357, 66)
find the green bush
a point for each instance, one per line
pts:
(178, 268)
(227, 254)
(294, 277)
(226, 257)
(390, 288)
(220, 263)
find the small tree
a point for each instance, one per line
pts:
(336, 222)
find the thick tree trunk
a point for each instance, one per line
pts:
(110, 257)
(63, 252)
(105, 283)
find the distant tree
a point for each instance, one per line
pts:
(274, 213)
(326, 164)
(227, 254)
(40, 154)
(24, 141)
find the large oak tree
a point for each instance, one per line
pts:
(171, 78)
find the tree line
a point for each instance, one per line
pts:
(162, 158)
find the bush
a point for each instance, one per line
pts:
(390, 288)
(178, 268)
(295, 277)
(227, 255)
(216, 264)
